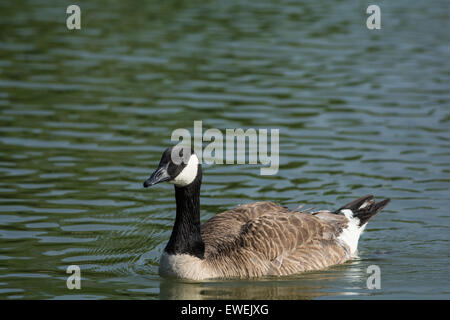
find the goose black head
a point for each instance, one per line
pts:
(178, 165)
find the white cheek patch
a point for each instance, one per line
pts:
(188, 174)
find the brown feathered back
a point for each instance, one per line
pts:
(263, 238)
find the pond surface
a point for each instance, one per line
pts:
(85, 115)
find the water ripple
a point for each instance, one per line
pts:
(84, 117)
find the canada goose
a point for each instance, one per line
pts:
(255, 239)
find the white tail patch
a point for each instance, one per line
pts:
(350, 235)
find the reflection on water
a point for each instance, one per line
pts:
(275, 289)
(346, 280)
(85, 115)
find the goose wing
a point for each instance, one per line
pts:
(291, 242)
(226, 227)
(281, 241)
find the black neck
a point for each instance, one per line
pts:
(186, 236)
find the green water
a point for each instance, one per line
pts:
(85, 115)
